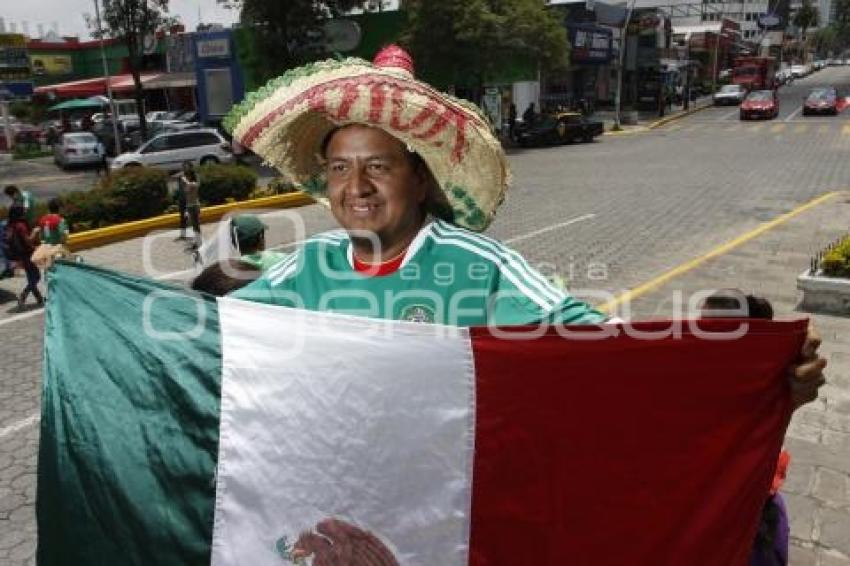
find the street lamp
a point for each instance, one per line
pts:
(623, 40)
(717, 38)
(108, 81)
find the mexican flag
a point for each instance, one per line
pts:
(181, 429)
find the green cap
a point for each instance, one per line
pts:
(247, 226)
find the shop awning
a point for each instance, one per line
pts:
(76, 104)
(171, 80)
(90, 87)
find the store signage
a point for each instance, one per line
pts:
(14, 61)
(590, 43)
(208, 48)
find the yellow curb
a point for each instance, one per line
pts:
(626, 131)
(718, 251)
(119, 232)
(667, 120)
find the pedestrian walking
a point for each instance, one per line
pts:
(512, 116)
(24, 200)
(102, 163)
(189, 185)
(20, 245)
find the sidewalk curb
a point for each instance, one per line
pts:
(120, 232)
(667, 120)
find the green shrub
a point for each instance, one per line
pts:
(222, 182)
(129, 194)
(836, 261)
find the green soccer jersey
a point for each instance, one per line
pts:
(449, 276)
(264, 260)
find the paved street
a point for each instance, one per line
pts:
(607, 217)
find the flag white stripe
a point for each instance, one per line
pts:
(333, 419)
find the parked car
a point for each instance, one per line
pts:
(799, 71)
(821, 101)
(190, 116)
(76, 148)
(155, 115)
(562, 127)
(169, 150)
(730, 94)
(760, 104)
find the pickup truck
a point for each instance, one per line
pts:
(558, 128)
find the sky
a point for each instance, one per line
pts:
(68, 14)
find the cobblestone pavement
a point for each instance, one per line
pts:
(607, 216)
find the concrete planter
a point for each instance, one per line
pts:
(824, 294)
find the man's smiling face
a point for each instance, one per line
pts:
(374, 186)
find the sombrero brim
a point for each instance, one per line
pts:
(286, 121)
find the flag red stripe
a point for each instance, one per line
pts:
(627, 451)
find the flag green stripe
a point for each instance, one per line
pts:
(129, 426)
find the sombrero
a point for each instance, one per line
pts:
(286, 121)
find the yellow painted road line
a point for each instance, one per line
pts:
(823, 129)
(718, 251)
(845, 130)
(801, 128)
(755, 127)
(777, 128)
(732, 128)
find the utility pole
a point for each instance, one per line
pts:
(112, 108)
(624, 36)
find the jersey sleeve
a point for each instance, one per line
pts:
(277, 286)
(527, 297)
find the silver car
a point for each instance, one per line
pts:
(76, 148)
(730, 94)
(170, 150)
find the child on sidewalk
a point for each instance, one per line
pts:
(20, 245)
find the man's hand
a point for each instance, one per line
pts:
(806, 377)
(337, 543)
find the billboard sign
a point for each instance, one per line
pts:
(51, 65)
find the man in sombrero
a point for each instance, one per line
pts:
(413, 176)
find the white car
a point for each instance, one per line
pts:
(170, 150)
(76, 148)
(730, 94)
(798, 71)
(155, 115)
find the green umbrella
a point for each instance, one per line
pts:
(76, 104)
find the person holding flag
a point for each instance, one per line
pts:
(289, 435)
(412, 176)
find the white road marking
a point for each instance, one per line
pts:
(793, 114)
(549, 228)
(22, 316)
(20, 425)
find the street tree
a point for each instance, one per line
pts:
(842, 22)
(290, 33)
(466, 41)
(805, 18)
(826, 40)
(131, 22)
